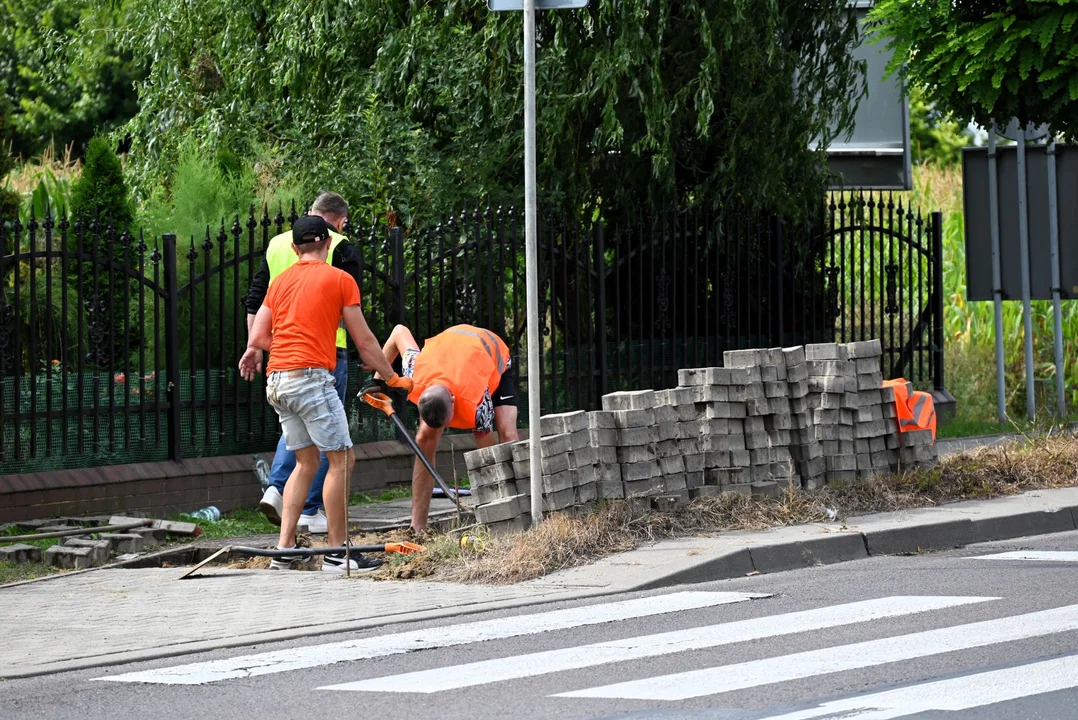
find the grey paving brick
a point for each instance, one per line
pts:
(630, 437)
(569, 422)
(20, 553)
(694, 462)
(584, 456)
(584, 475)
(561, 500)
(521, 450)
(668, 431)
(672, 465)
(665, 414)
(556, 482)
(611, 490)
(644, 487)
(869, 382)
(825, 351)
(603, 436)
(717, 459)
(556, 444)
(587, 493)
(634, 418)
(601, 419)
(770, 373)
(741, 358)
(124, 542)
(826, 384)
(739, 459)
(68, 557)
(630, 400)
(637, 453)
(632, 472)
(864, 349)
(608, 455)
(690, 377)
(99, 549)
(724, 410)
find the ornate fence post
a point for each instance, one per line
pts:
(172, 348)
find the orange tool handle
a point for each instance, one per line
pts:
(376, 394)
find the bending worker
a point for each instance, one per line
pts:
(463, 379)
(280, 256)
(298, 324)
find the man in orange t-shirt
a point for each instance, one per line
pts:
(298, 324)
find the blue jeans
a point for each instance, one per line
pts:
(284, 460)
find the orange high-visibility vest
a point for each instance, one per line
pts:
(916, 409)
(467, 360)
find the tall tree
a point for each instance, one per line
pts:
(988, 60)
(412, 105)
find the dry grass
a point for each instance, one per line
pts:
(25, 178)
(567, 540)
(564, 540)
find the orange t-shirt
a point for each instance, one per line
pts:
(306, 302)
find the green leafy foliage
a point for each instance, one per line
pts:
(101, 189)
(933, 137)
(412, 107)
(9, 199)
(985, 62)
(63, 73)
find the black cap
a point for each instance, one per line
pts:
(308, 229)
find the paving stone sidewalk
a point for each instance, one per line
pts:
(116, 615)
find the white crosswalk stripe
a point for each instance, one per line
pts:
(961, 693)
(451, 635)
(1039, 555)
(501, 669)
(727, 678)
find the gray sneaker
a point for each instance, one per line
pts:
(360, 563)
(284, 562)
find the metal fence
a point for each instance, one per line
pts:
(117, 347)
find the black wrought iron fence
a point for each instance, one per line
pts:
(118, 347)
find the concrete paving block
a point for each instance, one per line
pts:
(125, 542)
(609, 473)
(724, 410)
(668, 448)
(512, 526)
(608, 455)
(876, 428)
(691, 377)
(838, 463)
(587, 493)
(755, 425)
(760, 456)
(867, 366)
(630, 400)
(916, 437)
(20, 553)
(99, 549)
(851, 400)
(711, 393)
(475, 459)
(825, 351)
(556, 482)
(776, 389)
(794, 355)
(522, 469)
(670, 501)
(611, 490)
(643, 488)
(668, 431)
(739, 459)
(716, 459)
(814, 467)
(603, 437)
(864, 349)
(739, 488)
(71, 558)
(755, 441)
(821, 550)
(780, 421)
(585, 475)
(637, 453)
(727, 443)
(687, 413)
(705, 491)
(741, 358)
(770, 373)
(717, 477)
(826, 384)
(874, 396)
(797, 375)
(561, 500)
(694, 462)
(603, 419)
(625, 419)
(900, 537)
(555, 444)
(694, 478)
(583, 457)
(720, 426)
(640, 471)
(862, 446)
(672, 465)
(827, 401)
(503, 452)
(521, 450)
(766, 489)
(498, 511)
(503, 471)
(580, 439)
(630, 437)
(869, 382)
(887, 395)
(560, 423)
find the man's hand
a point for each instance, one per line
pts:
(250, 364)
(402, 383)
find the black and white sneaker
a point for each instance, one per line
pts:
(285, 562)
(359, 562)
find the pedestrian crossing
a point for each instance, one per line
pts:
(975, 687)
(1036, 555)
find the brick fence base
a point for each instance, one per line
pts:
(166, 488)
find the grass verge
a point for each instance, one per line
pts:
(10, 572)
(564, 541)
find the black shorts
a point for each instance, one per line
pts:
(506, 392)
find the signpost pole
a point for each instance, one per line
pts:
(531, 255)
(997, 275)
(1023, 262)
(1057, 315)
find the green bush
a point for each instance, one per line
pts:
(101, 190)
(9, 199)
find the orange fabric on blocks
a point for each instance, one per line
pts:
(467, 360)
(916, 409)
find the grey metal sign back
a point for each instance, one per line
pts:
(518, 5)
(975, 186)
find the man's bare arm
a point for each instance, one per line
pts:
(259, 333)
(367, 344)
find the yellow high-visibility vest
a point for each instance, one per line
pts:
(280, 256)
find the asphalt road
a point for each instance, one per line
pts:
(949, 635)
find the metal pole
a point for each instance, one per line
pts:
(997, 279)
(1057, 315)
(1023, 249)
(531, 256)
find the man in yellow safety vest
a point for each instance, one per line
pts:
(280, 256)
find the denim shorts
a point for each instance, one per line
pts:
(310, 409)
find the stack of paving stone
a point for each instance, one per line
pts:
(871, 426)
(604, 438)
(720, 396)
(500, 504)
(768, 422)
(833, 399)
(686, 425)
(805, 450)
(581, 458)
(637, 442)
(669, 448)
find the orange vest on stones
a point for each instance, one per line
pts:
(467, 360)
(916, 409)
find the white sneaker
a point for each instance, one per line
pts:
(358, 561)
(272, 502)
(285, 562)
(316, 524)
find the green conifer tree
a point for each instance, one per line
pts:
(101, 192)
